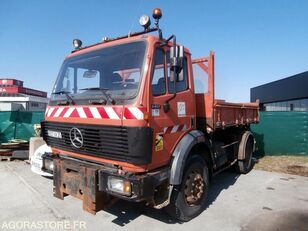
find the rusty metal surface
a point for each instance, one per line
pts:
(80, 181)
(231, 114)
(194, 188)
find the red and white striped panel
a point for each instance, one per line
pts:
(136, 113)
(95, 112)
(175, 128)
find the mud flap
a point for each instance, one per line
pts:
(80, 181)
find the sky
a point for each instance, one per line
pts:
(255, 41)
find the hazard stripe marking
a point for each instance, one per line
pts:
(175, 128)
(116, 112)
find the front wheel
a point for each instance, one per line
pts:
(188, 199)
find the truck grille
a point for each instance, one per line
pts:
(110, 142)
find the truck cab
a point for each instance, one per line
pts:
(125, 121)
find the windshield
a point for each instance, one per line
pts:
(111, 74)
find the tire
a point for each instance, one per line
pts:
(244, 166)
(185, 205)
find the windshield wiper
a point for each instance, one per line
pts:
(103, 90)
(67, 94)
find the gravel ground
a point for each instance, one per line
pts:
(297, 165)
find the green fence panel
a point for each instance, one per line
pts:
(282, 133)
(18, 124)
(277, 133)
(7, 127)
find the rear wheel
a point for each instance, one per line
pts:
(245, 165)
(188, 198)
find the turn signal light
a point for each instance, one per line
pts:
(146, 116)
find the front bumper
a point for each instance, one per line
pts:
(89, 182)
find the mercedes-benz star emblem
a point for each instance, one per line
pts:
(76, 137)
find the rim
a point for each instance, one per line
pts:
(194, 188)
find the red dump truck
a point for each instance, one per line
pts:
(135, 118)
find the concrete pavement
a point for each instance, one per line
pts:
(257, 201)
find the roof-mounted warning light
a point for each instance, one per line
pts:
(145, 22)
(157, 14)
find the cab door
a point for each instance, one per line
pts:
(172, 106)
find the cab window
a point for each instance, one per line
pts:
(182, 82)
(159, 81)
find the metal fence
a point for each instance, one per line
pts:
(18, 124)
(282, 133)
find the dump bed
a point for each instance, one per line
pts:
(215, 114)
(225, 114)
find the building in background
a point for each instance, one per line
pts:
(15, 97)
(284, 116)
(289, 94)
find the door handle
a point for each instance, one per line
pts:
(166, 107)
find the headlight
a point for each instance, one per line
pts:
(77, 43)
(119, 185)
(145, 21)
(48, 164)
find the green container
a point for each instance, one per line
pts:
(282, 133)
(18, 124)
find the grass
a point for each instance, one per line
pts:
(297, 165)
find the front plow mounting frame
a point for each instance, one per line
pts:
(80, 181)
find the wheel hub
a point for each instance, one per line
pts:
(194, 188)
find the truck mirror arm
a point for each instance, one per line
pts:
(176, 65)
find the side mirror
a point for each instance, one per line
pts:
(181, 52)
(176, 59)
